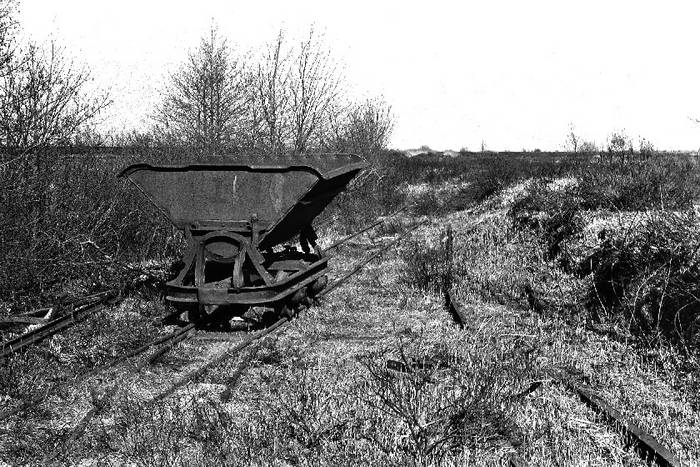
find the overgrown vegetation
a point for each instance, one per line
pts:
(642, 267)
(446, 403)
(70, 227)
(648, 277)
(73, 227)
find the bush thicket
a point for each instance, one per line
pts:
(74, 227)
(649, 277)
(644, 274)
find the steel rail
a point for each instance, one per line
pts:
(365, 229)
(459, 314)
(165, 348)
(141, 349)
(648, 447)
(364, 263)
(183, 380)
(91, 298)
(57, 325)
(235, 377)
(353, 235)
(23, 319)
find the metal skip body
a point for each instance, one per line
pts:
(236, 213)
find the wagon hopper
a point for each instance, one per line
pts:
(240, 216)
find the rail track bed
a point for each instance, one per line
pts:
(328, 350)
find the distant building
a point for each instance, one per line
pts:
(421, 151)
(426, 151)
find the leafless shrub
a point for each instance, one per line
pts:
(573, 141)
(442, 402)
(553, 214)
(646, 148)
(303, 415)
(362, 128)
(83, 231)
(619, 146)
(639, 184)
(587, 147)
(43, 100)
(8, 26)
(314, 88)
(295, 90)
(650, 278)
(271, 91)
(428, 266)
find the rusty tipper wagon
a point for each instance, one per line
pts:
(239, 215)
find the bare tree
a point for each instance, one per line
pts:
(646, 148)
(43, 100)
(370, 126)
(314, 89)
(271, 91)
(572, 140)
(587, 147)
(334, 137)
(7, 34)
(619, 145)
(206, 101)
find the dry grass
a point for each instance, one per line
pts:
(321, 393)
(50, 372)
(648, 385)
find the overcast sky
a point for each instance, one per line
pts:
(514, 74)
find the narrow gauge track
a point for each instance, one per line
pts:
(166, 343)
(75, 312)
(648, 447)
(88, 305)
(81, 308)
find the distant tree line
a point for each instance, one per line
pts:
(618, 145)
(290, 98)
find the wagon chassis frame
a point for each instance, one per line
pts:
(272, 292)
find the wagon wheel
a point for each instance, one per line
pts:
(287, 310)
(194, 312)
